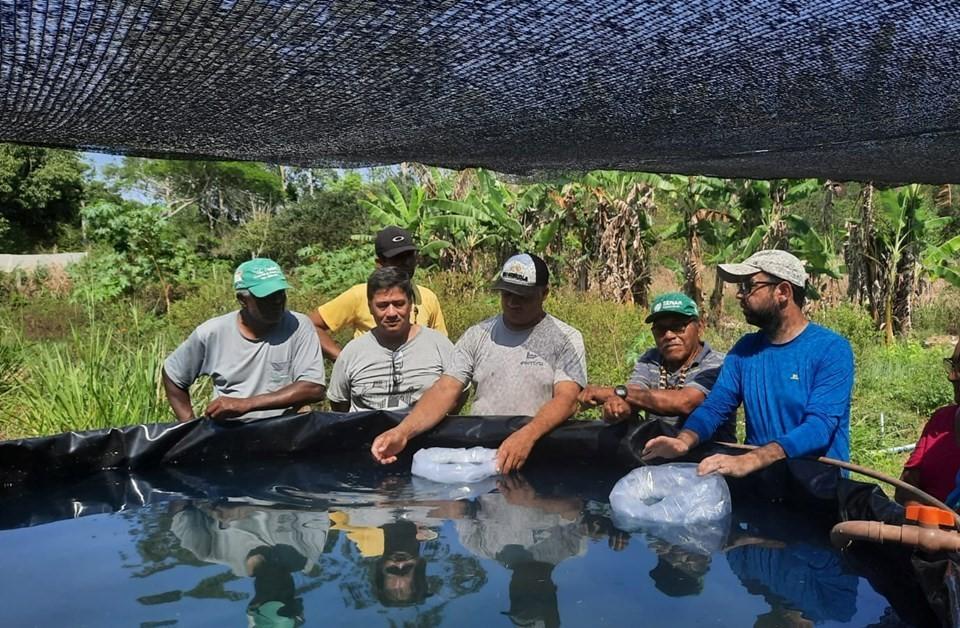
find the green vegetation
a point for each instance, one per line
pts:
(83, 348)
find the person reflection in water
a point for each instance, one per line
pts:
(530, 535)
(678, 572)
(399, 573)
(804, 583)
(267, 544)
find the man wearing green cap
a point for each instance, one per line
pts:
(264, 360)
(670, 380)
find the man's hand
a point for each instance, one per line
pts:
(513, 452)
(593, 396)
(616, 409)
(734, 466)
(516, 491)
(227, 408)
(386, 446)
(664, 447)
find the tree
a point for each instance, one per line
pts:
(225, 193)
(142, 249)
(41, 190)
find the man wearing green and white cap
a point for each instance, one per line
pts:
(793, 377)
(670, 380)
(264, 360)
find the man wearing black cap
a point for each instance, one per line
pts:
(521, 362)
(394, 247)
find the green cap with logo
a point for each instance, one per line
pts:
(672, 303)
(261, 276)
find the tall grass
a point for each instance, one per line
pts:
(94, 381)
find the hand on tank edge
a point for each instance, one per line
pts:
(666, 447)
(513, 452)
(734, 466)
(224, 407)
(616, 409)
(386, 446)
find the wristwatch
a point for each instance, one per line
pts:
(620, 391)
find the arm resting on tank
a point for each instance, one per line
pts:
(179, 399)
(329, 346)
(740, 466)
(680, 402)
(513, 451)
(432, 407)
(295, 395)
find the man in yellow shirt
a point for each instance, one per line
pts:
(394, 247)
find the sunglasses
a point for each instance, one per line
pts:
(679, 327)
(747, 287)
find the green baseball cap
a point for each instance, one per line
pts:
(261, 276)
(672, 303)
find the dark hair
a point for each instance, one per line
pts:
(387, 277)
(799, 294)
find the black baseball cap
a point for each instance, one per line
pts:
(393, 241)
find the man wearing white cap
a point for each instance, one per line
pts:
(521, 362)
(793, 377)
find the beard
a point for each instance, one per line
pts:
(767, 318)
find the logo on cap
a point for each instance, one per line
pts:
(399, 238)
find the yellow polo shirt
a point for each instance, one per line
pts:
(351, 309)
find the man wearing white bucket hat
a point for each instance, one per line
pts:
(793, 377)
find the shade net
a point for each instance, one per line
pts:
(831, 88)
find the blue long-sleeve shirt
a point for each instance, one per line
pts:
(796, 394)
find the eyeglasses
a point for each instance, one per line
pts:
(660, 329)
(746, 288)
(952, 365)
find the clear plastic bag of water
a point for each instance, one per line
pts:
(669, 494)
(455, 466)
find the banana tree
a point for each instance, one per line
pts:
(410, 212)
(699, 200)
(903, 226)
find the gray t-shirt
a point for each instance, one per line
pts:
(544, 536)
(514, 371)
(240, 367)
(701, 375)
(372, 377)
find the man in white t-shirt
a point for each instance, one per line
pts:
(521, 362)
(264, 360)
(390, 366)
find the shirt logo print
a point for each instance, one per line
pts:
(532, 359)
(794, 378)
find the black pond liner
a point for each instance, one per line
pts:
(75, 474)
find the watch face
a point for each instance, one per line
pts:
(620, 391)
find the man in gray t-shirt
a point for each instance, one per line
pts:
(522, 362)
(390, 366)
(264, 360)
(670, 380)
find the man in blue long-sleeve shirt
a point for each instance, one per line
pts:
(793, 377)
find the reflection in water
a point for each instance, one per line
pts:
(267, 544)
(529, 535)
(304, 548)
(804, 582)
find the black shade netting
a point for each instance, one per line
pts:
(832, 88)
